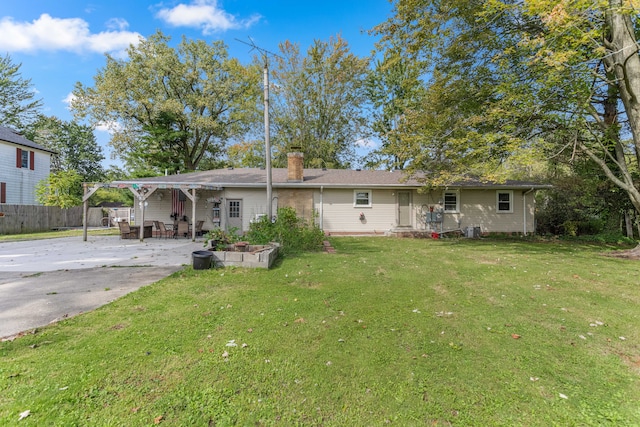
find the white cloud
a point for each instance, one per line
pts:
(108, 127)
(69, 99)
(206, 15)
(68, 34)
(117, 24)
(366, 143)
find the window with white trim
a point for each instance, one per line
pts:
(25, 159)
(362, 198)
(451, 201)
(504, 201)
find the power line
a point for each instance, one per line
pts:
(265, 53)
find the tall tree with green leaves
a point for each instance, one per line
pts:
(18, 105)
(509, 82)
(318, 103)
(75, 145)
(171, 108)
(393, 88)
(59, 189)
(247, 154)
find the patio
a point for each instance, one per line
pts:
(43, 281)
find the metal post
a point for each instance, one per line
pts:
(267, 143)
(85, 212)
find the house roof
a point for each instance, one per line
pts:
(314, 178)
(9, 135)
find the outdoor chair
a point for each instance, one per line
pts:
(183, 229)
(199, 225)
(162, 230)
(126, 232)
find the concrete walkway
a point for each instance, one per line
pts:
(42, 281)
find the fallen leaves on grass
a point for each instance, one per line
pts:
(515, 336)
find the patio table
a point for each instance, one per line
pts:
(147, 229)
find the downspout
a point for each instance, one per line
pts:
(321, 208)
(524, 210)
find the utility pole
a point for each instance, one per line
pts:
(267, 142)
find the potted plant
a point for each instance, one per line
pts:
(218, 239)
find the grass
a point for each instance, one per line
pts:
(55, 234)
(400, 331)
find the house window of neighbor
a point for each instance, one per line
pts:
(25, 159)
(451, 201)
(505, 201)
(362, 198)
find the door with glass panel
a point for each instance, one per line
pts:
(234, 214)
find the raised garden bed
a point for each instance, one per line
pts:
(243, 254)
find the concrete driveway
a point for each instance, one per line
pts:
(42, 281)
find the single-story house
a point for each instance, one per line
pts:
(23, 164)
(339, 201)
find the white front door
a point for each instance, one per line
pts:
(234, 214)
(404, 209)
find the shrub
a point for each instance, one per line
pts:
(219, 238)
(293, 233)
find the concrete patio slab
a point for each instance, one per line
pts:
(42, 281)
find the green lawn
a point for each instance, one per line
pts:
(400, 331)
(55, 234)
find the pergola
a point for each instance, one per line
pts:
(141, 192)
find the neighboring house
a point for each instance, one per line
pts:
(339, 201)
(23, 164)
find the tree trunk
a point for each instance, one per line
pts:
(623, 61)
(628, 224)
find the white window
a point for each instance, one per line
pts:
(25, 159)
(362, 198)
(451, 201)
(504, 201)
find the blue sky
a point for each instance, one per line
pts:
(63, 42)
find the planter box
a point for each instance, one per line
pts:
(254, 256)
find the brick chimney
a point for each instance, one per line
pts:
(295, 167)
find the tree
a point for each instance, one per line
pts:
(393, 88)
(171, 108)
(18, 106)
(59, 189)
(75, 145)
(509, 81)
(318, 103)
(247, 154)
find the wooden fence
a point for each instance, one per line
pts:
(16, 219)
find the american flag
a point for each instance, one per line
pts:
(177, 205)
